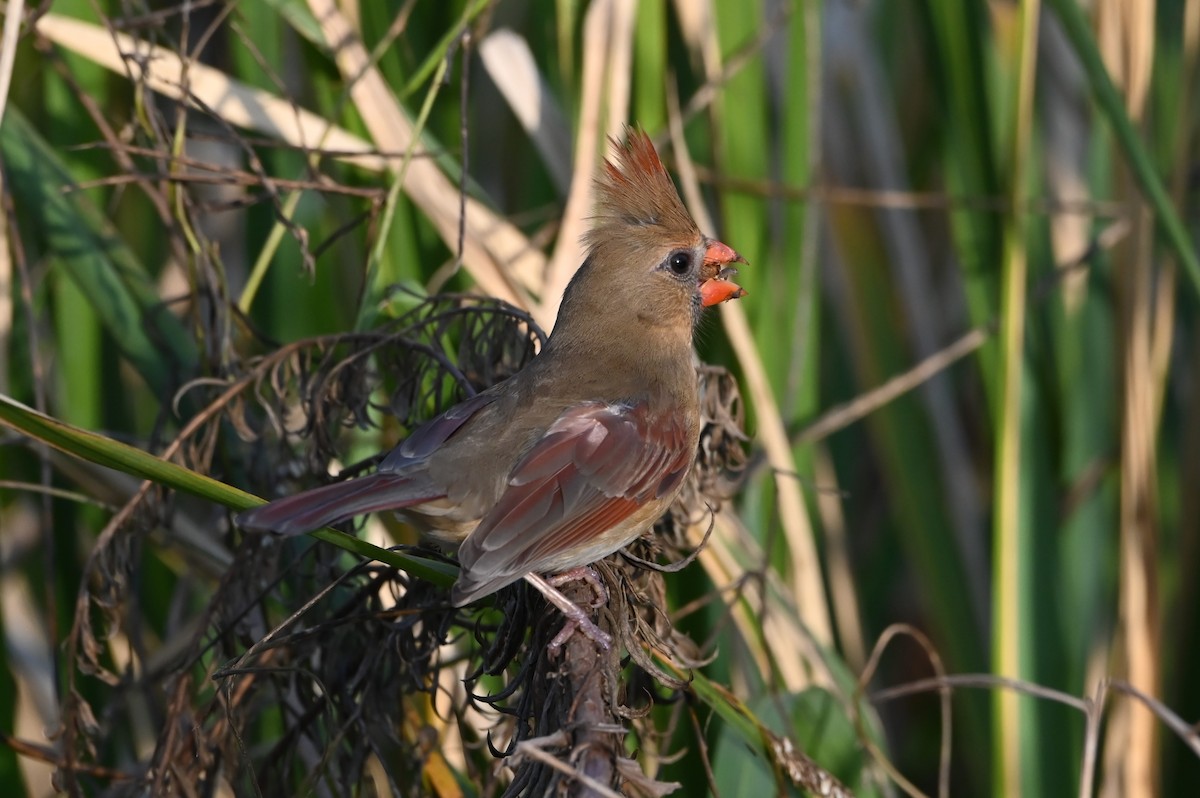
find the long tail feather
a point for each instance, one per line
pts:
(331, 504)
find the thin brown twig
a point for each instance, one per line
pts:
(1091, 740)
(534, 749)
(935, 662)
(705, 759)
(841, 416)
(1186, 732)
(227, 178)
(260, 142)
(1091, 708)
(112, 141)
(57, 493)
(676, 567)
(983, 681)
(155, 20)
(910, 200)
(46, 754)
(267, 181)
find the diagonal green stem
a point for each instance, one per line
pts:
(130, 460)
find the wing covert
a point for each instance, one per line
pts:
(596, 468)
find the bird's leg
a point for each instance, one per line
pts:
(576, 617)
(584, 573)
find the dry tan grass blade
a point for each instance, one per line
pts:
(163, 71)
(791, 656)
(509, 63)
(607, 51)
(1125, 32)
(8, 48)
(807, 581)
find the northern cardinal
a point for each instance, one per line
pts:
(585, 448)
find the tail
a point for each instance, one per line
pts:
(331, 504)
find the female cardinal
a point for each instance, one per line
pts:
(581, 451)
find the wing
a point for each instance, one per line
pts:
(429, 437)
(595, 479)
(399, 482)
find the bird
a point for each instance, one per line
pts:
(583, 449)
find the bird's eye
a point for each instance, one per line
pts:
(680, 263)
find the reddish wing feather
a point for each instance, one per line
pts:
(584, 526)
(595, 467)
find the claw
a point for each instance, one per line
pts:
(588, 575)
(577, 619)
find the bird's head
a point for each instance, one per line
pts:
(648, 267)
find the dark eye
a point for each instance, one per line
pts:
(680, 263)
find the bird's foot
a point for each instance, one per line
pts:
(577, 619)
(588, 575)
(590, 630)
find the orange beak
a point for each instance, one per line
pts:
(717, 288)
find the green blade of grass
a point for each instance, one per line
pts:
(130, 460)
(961, 47)
(438, 54)
(1012, 528)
